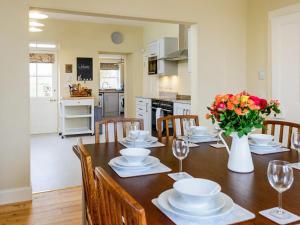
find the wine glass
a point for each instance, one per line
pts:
(134, 132)
(217, 130)
(180, 151)
(188, 125)
(296, 144)
(281, 177)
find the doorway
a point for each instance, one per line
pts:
(43, 88)
(285, 36)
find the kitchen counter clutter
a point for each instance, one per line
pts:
(76, 115)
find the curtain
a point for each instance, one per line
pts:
(41, 58)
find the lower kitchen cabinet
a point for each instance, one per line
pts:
(143, 111)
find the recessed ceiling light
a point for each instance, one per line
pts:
(35, 29)
(37, 15)
(35, 24)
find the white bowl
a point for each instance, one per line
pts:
(141, 135)
(198, 130)
(261, 139)
(135, 155)
(197, 191)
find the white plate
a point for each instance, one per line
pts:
(272, 144)
(116, 163)
(165, 205)
(121, 161)
(206, 135)
(149, 140)
(176, 201)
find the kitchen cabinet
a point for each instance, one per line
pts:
(143, 111)
(182, 108)
(77, 115)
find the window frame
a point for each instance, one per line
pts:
(54, 75)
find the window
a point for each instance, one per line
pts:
(110, 75)
(41, 69)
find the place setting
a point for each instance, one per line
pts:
(197, 201)
(262, 144)
(197, 134)
(136, 162)
(140, 138)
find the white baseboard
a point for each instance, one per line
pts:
(14, 195)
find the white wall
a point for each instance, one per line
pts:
(85, 39)
(14, 96)
(258, 56)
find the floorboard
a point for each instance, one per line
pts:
(60, 207)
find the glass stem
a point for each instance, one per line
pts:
(280, 210)
(180, 165)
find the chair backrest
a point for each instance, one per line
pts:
(282, 125)
(115, 121)
(89, 186)
(172, 119)
(117, 206)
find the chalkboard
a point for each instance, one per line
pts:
(84, 69)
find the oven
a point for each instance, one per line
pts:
(166, 109)
(152, 65)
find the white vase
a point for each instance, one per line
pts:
(240, 159)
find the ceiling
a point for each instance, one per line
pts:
(95, 19)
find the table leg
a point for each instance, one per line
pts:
(83, 207)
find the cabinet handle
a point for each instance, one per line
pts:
(184, 112)
(140, 115)
(146, 107)
(140, 109)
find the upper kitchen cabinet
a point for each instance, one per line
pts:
(157, 52)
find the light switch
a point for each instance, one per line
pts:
(261, 75)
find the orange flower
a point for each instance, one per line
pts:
(235, 99)
(230, 106)
(238, 111)
(207, 116)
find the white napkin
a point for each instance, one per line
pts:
(238, 215)
(268, 151)
(292, 217)
(295, 165)
(219, 145)
(184, 175)
(141, 145)
(160, 168)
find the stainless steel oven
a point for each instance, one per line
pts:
(152, 65)
(166, 108)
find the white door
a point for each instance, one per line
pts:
(286, 65)
(43, 93)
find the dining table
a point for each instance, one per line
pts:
(249, 190)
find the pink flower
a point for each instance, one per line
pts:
(263, 103)
(255, 99)
(221, 106)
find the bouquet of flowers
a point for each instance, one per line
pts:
(241, 113)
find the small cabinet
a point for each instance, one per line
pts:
(143, 111)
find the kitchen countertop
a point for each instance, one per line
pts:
(75, 98)
(167, 99)
(110, 91)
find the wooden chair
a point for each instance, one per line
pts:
(117, 206)
(167, 120)
(115, 122)
(281, 124)
(89, 186)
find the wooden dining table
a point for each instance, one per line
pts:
(251, 190)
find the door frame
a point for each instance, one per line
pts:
(273, 19)
(54, 81)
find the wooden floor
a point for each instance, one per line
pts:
(61, 207)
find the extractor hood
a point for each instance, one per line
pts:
(182, 53)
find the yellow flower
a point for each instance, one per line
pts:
(244, 98)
